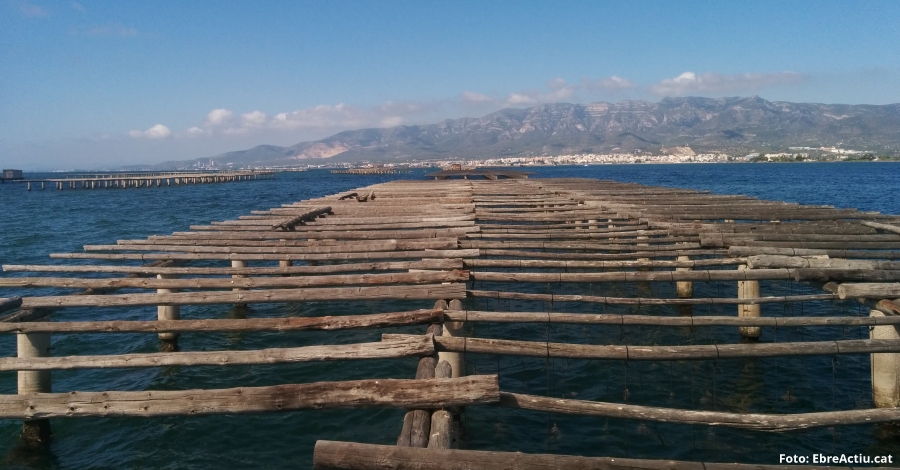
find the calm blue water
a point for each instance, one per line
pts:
(40, 222)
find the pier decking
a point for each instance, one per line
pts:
(469, 256)
(146, 179)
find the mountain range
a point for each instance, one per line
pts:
(727, 125)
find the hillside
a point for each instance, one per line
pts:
(730, 125)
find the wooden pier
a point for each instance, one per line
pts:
(469, 256)
(146, 179)
(371, 171)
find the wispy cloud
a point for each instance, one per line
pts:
(158, 131)
(77, 6)
(115, 30)
(31, 10)
(612, 83)
(689, 82)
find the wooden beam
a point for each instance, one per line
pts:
(377, 393)
(401, 347)
(427, 291)
(330, 455)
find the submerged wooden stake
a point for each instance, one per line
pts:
(168, 341)
(885, 367)
(748, 290)
(34, 381)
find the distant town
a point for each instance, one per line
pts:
(667, 156)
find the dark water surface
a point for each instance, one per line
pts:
(34, 224)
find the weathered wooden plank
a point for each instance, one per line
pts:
(428, 263)
(612, 264)
(660, 320)
(751, 421)
(647, 301)
(631, 276)
(378, 393)
(273, 257)
(441, 291)
(656, 353)
(343, 322)
(330, 455)
(417, 277)
(401, 347)
(869, 290)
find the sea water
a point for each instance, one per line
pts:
(37, 223)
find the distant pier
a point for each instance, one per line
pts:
(371, 171)
(488, 173)
(146, 179)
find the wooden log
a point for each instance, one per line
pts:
(600, 256)
(343, 322)
(34, 346)
(684, 289)
(427, 291)
(417, 423)
(751, 421)
(880, 226)
(575, 264)
(239, 281)
(768, 250)
(646, 301)
(630, 276)
(377, 393)
(454, 329)
(885, 367)
(748, 290)
(168, 340)
(330, 455)
(274, 257)
(869, 290)
(429, 263)
(310, 215)
(816, 262)
(400, 347)
(272, 246)
(660, 320)
(846, 275)
(655, 353)
(444, 426)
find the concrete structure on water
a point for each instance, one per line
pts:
(447, 245)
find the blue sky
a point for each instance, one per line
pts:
(92, 84)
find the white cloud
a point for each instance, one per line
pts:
(254, 119)
(115, 29)
(323, 116)
(689, 82)
(31, 10)
(218, 116)
(611, 83)
(158, 131)
(470, 97)
(391, 121)
(195, 131)
(77, 6)
(560, 90)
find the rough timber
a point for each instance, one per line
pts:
(423, 241)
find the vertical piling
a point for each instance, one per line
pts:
(34, 381)
(885, 367)
(748, 290)
(168, 342)
(685, 289)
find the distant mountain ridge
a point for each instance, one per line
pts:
(729, 125)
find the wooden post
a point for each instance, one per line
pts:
(885, 367)
(168, 341)
(748, 290)
(454, 328)
(238, 264)
(685, 289)
(34, 381)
